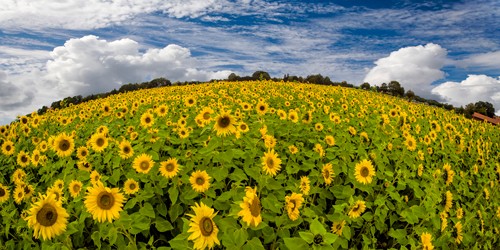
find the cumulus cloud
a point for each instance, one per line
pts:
(12, 96)
(90, 65)
(486, 60)
(415, 68)
(474, 88)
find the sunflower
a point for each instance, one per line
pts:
(104, 203)
(225, 124)
(35, 157)
(183, 132)
(99, 142)
(84, 165)
(200, 181)
(293, 116)
(319, 149)
(74, 188)
(364, 171)
(202, 227)
(126, 150)
(292, 205)
(448, 201)
(460, 213)
(420, 170)
(243, 127)
(337, 227)
(190, 101)
(307, 118)
(282, 114)
(327, 173)
(330, 141)
(293, 149)
(352, 130)
(357, 209)
(43, 146)
(449, 174)
(23, 159)
(18, 176)
(8, 148)
(143, 163)
(162, 110)
(130, 186)
(271, 164)
(251, 208)
(459, 237)
(261, 108)
(82, 152)
(95, 178)
(318, 126)
(4, 193)
(18, 194)
(64, 145)
(147, 120)
(58, 193)
(47, 217)
(411, 143)
(205, 115)
(169, 168)
(426, 239)
(59, 184)
(305, 185)
(269, 141)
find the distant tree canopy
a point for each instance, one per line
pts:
(481, 107)
(365, 85)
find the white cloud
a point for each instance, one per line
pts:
(13, 96)
(415, 68)
(90, 65)
(486, 60)
(473, 89)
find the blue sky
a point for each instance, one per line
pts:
(445, 50)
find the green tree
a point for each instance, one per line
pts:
(261, 75)
(365, 85)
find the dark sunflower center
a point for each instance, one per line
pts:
(294, 204)
(47, 216)
(243, 127)
(206, 226)
(410, 143)
(206, 115)
(326, 174)
(170, 167)
(106, 109)
(105, 200)
(162, 110)
(364, 172)
(224, 122)
(64, 145)
(355, 208)
(318, 239)
(255, 207)
(270, 163)
(24, 120)
(190, 101)
(147, 120)
(83, 153)
(76, 188)
(132, 186)
(262, 108)
(99, 142)
(27, 190)
(144, 165)
(24, 158)
(126, 149)
(2, 192)
(200, 181)
(8, 147)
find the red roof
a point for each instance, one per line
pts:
(482, 117)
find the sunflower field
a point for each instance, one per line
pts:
(249, 165)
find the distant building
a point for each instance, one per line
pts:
(481, 117)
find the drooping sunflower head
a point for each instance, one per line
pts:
(169, 168)
(357, 209)
(330, 141)
(293, 116)
(104, 203)
(305, 185)
(202, 227)
(337, 227)
(95, 178)
(130, 186)
(271, 164)
(293, 203)
(225, 124)
(251, 207)
(56, 192)
(143, 163)
(327, 173)
(47, 217)
(200, 181)
(4, 193)
(18, 176)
